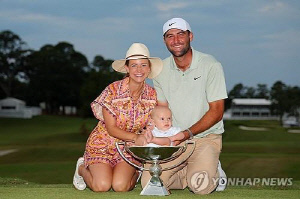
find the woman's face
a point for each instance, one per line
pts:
(138, 69)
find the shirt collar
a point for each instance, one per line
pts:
(124, 88)
(156, 129)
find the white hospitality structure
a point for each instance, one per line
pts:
(250, 109)
(15, 108)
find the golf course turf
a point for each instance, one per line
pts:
(46, 149)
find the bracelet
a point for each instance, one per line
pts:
(190, 133)
(171, 143)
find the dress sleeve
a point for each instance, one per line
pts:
(104, 100)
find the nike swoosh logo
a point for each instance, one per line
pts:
(171, 24)
(195, 78)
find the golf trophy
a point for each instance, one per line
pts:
(154, 156)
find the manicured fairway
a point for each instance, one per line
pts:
(47, 147)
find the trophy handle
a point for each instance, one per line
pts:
(191, 152)
(123, 156)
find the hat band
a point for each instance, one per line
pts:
(136, 57)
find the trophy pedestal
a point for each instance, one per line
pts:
(155, 187)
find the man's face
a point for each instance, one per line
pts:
(178, 41)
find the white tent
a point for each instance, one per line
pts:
(12, 107)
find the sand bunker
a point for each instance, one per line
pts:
(246, 128)
(5, 152)
(294, 131)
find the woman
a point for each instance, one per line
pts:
(123, 108)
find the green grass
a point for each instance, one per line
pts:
(271, 153)
(42, 130)
(16, 188)
(48, 147)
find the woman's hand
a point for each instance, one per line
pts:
(148, 131)
(140, 140)
(149, 136)
(150, 125)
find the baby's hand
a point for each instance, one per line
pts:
(149, 136)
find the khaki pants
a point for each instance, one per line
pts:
(199, 173)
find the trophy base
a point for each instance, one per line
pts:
(155, 187)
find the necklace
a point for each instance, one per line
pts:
(136, 95)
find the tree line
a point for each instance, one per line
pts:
(57, 75)
(60, 76)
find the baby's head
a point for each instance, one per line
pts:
(162, 117)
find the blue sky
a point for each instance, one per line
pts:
(257, 41)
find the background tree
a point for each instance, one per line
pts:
(280, 101)
(237, 92)
(13, 55)
(250, 92)
(262, 91)
(99, 75)
(241, 91)
(293, 94)
(103, 65)
(56, 75)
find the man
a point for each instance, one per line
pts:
(192, 84)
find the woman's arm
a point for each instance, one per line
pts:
(113, 130)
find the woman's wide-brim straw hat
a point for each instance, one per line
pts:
(139, 51)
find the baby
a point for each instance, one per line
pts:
(162, 120)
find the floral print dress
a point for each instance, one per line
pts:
(130, 116)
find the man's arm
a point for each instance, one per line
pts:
(211, 117)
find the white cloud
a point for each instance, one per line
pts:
(171, 6)
(275, 7)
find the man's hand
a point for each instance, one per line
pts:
(179, 137)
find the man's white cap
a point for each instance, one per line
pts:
(177, 23)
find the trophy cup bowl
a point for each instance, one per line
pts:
(154, 156)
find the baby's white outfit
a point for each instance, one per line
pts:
(158, 133)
